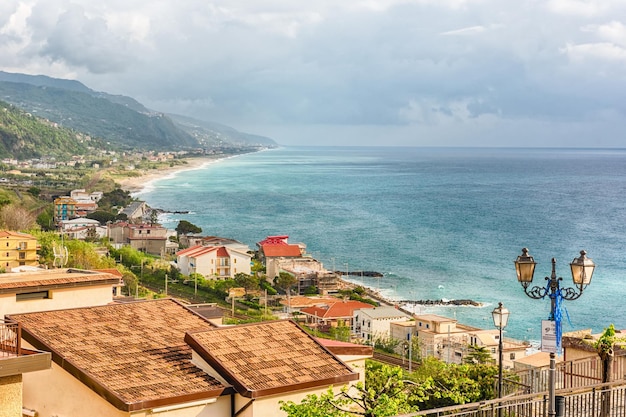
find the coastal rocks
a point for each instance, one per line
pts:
(372, 274)
(443, 302)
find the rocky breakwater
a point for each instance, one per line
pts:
(442, 302)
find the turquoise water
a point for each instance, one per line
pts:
(440, 223)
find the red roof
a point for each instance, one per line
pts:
(339, 309)
(200, 250)
(282, 250)
(274, 240)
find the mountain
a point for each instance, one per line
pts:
(23, 136)
(216, 134)
(120, 120)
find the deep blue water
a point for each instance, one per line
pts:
(440, 223)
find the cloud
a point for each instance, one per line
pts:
(397, 64)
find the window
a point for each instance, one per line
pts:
(37, 295)
(512, 356)
(493, 350)
(22, 255)
(235, 260)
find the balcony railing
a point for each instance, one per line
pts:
(598, 400)
(10, 339)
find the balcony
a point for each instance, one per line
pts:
(14, 359)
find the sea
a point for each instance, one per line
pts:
(439, 223)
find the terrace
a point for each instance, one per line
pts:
(15, 359)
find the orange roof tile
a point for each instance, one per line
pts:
(133, 354)
(269, 358)
(336, 310)
(282, 250)
(9, 233)
(53, 278)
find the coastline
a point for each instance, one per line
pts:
(137, 183)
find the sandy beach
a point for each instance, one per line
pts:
(143, 178)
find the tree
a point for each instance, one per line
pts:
(445, 384)
(478, 355)
(285, 281)
(605, 348)
(45, 220)
(102, 216)
(154, 217)
(17, 218)
(184, 228)
(246, 281)
(384, 394)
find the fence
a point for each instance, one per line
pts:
(569, 374)
(599, 400)
(10, 338)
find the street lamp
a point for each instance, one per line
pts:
(500, 319)
(582, 271)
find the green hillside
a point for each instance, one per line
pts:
(97, 116)
(118, 119)
(23, 136)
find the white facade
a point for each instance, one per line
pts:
(375, 323)
(213, 262)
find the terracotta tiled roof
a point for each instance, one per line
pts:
(282, 250)
(9, 233)
(336, 310)
(53, 278)
(111, 271)
(269, 358)
(134, 354)
(195, 251)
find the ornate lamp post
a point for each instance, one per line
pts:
(500, 316)
(582, 271)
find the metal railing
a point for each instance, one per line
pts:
(10, 338)
(571, 374)
(599, 400)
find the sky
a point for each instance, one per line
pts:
(350, 72)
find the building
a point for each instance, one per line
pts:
(333, 313)
(188, 241)
(15, 361)
(157, 357)
(274, 250)
(214, 262)
(54, 289)
(375, 323)
(17, 249)
(81, 194)
(135, 211)
(82, 228)
(64, 209)
(144, 237)
(448, 340)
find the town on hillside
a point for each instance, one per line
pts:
(134, 318)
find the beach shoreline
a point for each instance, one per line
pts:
(137, 183)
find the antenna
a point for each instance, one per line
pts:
(61, 255)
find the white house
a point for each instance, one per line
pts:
(375, 323)
(218, 262)
(81, 228)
